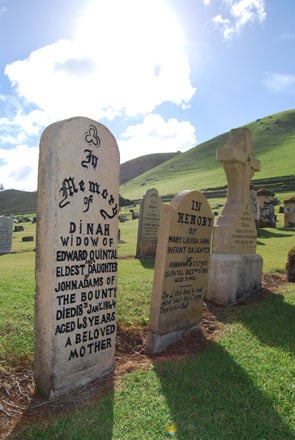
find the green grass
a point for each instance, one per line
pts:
(242, 386)
(273, 141)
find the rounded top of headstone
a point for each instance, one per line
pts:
(265, 192)
(291, 200)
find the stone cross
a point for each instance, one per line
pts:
(239, 165)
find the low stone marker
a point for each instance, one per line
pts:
(6, 228)
(18, 229)
(235, 268)
(148, 224)
(28, 238)
(76, 255)
(181, 269)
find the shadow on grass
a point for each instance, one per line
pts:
(147, 263)
(92, 418)
(272, 321)
(229, 406)
(271, 233)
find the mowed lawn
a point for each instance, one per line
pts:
(242, 386)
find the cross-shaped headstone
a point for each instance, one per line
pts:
(239, 164)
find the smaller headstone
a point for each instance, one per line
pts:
(148, 224)
(6, 227)
(181, 269)
(267, 217)
(289, 213)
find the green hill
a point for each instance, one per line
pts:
(274, 145)
(13, 201)
(273, 140)
(134, 167)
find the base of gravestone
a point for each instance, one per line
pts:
(156, 342)
(233, 277)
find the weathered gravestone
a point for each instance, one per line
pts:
(148, 224)
(181, 269)
(235, 268)
(76, 259)
(6, 228)
(289, 212)
(267, 218)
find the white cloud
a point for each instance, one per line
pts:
(241, 13)
(127, 58)
(155, 135)
(280, 82)
(19, 167)
(124, 63)
(19, 127)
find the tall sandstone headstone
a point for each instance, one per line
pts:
(181, 269)
(76, 256)
(6, 228)
(235, 268)
(148, 224)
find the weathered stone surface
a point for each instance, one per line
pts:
(6, 228)
(148, 224)
(76, 256)
(289, 212)
(267, 218)
(235, 269)
(235, 230)
(181, 269)
(233, 277)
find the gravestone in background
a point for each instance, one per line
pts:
(6, 228)
(181, 269)
(76, 256)
(266, 202)
(289, 212)
(148, 224)
(235, 268)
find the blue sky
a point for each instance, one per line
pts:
(162, 75)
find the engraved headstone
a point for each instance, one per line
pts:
(235, 268)
(181, 269)
(148, 224)
(6, 228)
(267, 218)
(76, 255)
(289, 212)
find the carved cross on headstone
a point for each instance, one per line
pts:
(239, 165)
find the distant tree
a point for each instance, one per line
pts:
(1, 187)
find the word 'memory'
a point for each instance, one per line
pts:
(191, 219)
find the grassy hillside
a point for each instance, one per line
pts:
(273, 140)
(274, 145)
(13, 201)
(133, 168)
